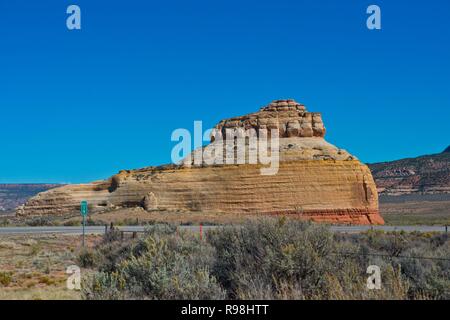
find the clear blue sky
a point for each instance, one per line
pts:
(80, 105)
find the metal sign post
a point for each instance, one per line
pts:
(84, 212)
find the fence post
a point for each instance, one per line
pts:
(201, 232)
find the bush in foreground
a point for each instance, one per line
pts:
(269, 259)
(159, 266)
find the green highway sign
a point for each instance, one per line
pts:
(84, 208)
(84, 212)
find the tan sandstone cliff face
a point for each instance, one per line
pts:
(315, 180)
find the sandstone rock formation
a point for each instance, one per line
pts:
(429, 174)
(315, 180)
(288, 116)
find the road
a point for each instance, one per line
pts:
(101, 229)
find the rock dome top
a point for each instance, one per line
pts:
(288, 116)
(284, 105)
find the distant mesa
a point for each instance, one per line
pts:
(423, 175)
(14, 195)
(315, 180)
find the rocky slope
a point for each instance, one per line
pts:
(315, 179)
(429, 174)
(14, 195)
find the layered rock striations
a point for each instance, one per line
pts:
(315, 180)
(289, 117)
(424, 175)
(13, 195)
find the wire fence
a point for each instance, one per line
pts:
(358, 254)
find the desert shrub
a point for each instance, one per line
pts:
(160, 229)
(7, 245)
(72, 223)
(428, 277)
(40, 221)
(46, 280)
(128, 222)
(111, 236)
(294, 260)
(103, 286)
(269, 259)
(408, 253)
(35, 248)
(86, 258)
(113, 249)
(5, 278)
(439, 240)
(157, 272)
(111, 254)
(91, 222)
(287, 255)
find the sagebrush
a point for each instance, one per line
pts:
(268, 259)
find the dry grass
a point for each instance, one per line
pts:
(395, 211)
(34, 266)
(415, 212)
(41, 293)
(130, 215)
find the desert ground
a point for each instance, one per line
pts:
(33, 267)
(416, 209)
(398, 210)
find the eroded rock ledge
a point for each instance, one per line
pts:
(316, 180)
(289, 117)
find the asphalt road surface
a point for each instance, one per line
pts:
(101, 229)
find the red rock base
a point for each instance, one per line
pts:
(339, 216)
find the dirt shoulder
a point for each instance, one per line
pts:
(33, 267)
